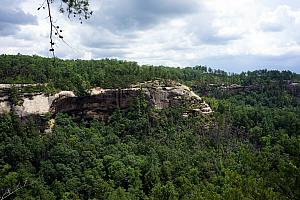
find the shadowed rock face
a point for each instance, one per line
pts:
(98, 106)
(102, 102)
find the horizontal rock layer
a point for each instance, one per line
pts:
(102, 102)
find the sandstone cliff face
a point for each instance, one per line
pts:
(98, 106)
(31, 104)
(102, 102)
(164, 95)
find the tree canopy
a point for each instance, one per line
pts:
(247, 149)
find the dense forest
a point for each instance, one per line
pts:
(248, 148)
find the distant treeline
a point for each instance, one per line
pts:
(79, 75)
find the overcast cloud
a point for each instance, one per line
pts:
(12, 16)
(234, 35)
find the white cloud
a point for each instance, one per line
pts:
(175, 33)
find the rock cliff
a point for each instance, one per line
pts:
(102, 102)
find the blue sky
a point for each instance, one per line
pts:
(233, 35)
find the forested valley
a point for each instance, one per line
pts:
(248, 148)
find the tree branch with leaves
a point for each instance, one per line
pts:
(77, 8)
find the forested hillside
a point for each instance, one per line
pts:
(248, 148)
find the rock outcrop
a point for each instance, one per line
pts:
(98, 106)
(102, 102)
(169, 94)
(31, 104)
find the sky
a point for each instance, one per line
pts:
(232, 35)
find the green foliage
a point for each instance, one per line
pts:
(249, 148)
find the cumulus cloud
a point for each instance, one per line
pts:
(271, 27)
(157, 33)
(235, 36)
(11, 17)
(281, 18)
(205, 31)
(134, 15)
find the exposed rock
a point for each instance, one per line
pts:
(32, 104)
(5, 107)
(95, 106)
(168, 94)
(38, 104)
(97, 90)
(102, 102)
(7, 86)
